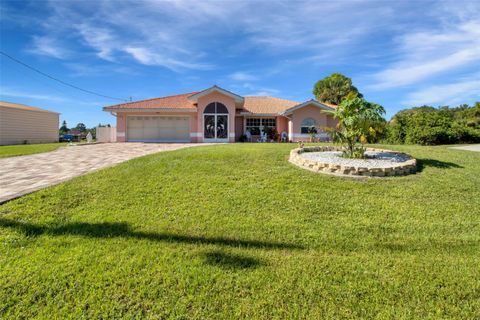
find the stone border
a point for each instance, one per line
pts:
(400, 169)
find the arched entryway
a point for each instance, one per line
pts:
(215, 123)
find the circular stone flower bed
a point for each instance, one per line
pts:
(379, 163)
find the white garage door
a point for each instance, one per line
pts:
(158, 129)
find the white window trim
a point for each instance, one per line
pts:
(302, 135)
(261, 126)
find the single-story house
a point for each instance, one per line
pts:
(20, 124)
(217, 115)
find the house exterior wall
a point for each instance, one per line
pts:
(19, 125)
(322, 119)
(122, 122)
(282, 124)
(229, 102)
(239, 128)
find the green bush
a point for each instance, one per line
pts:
(243, 138)
(430, 126)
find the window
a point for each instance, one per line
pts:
(253, 126)
(268, 122)
(308, 125)
(215, 107)
(256, 125)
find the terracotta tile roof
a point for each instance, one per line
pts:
(179, 101)
(265, 104)
(253, 104)
(23, 107)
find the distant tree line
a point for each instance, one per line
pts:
(424, 125)
(427, 125)
(80, 129)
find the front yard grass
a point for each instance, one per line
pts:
(235, 231)
(24, 149)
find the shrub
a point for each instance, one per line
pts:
(272, 134)
(358, 121)
(429, 126)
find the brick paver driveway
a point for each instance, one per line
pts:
(25, 174)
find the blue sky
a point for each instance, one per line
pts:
(398, 53)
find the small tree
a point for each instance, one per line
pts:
(64, 129)
(335, 88)
(81, 127)
(358, 120)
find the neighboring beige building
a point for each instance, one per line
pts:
(21, 124)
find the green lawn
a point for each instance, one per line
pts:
(235, 231)
(24, 149)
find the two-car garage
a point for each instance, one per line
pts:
(158, 129)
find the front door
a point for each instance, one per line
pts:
(215, 127)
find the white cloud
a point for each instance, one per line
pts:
(242, 76)
(198, 35)
(79, 69)
(100, 39)
(446, 94)
(12, 92)
(248, 89)
(425, 54)
(145, 56)
(176, 34)
(19, 93)
(47, 46)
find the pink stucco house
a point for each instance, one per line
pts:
(217, 115)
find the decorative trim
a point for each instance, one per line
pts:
(306, 135)
(196, 135)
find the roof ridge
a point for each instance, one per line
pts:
(272, 97)
(150, 99)
(16, 105)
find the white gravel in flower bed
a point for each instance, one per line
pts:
(375, 159)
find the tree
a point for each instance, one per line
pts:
(64, 129)
(81, 127)
(335, 88)
(358, 120)
(429, 126)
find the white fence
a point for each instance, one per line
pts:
(106, 134)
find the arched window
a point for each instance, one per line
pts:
(216, 107)
(308, 126)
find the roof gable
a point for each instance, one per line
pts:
(309, 103)
(196, 96)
